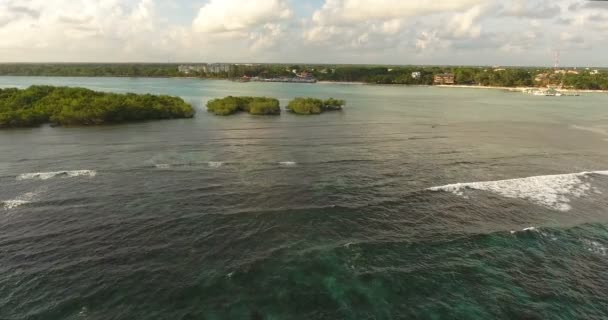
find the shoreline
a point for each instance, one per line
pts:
(513, 89)
(342, 82)
(516, 89)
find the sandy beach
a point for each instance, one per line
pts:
(518, 89)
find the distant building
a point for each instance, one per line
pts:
(562, 71)
(190, 69)
(594, 71)
(499, 69)
(218, 68)
(205, 68)
(416, 75)
(444, 78)
(305, 75)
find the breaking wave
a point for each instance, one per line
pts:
(162, 166)
(287, 163)
(12, 204)
(19, 201)
(595, 247)
(215, 164)
(596, 130)
(551, 191)
(50, 175)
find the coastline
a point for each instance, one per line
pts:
(513, 89)
(342, 82)
(516, 89)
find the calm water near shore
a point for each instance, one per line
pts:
(413, 202)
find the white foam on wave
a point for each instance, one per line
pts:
(50, 175)
(528, 229)
(552, 191)
(596, 130)
(287, 163)
(12, 204)
(595, 247)
(162, 166)
(536, 231)
(19, 201)
(215, 164)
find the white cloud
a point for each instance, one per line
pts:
(429, 40)
(348, 11)
(91, 30)
(349, 31)
(537, 9)
(235, 15)
(465, 25)
(269, 37)
(391, 26)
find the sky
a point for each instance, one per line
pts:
(438, 32)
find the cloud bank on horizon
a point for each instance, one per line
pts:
(517, 32)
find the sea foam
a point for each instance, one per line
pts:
(551, 191)
(215, 164)
(595, 247)
(287, 163)
(19, 201)
(12, 204)
(50, 175)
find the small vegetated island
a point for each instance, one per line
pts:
(254, 105)
(67, 106)
(314, 106)
(270, 106)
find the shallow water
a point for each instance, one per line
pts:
(413, 202)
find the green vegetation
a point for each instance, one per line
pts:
(89, 70)
(254, 105)
(405, 75)
(586, 81)
(78, 106)
(314, 106)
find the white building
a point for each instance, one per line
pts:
(205, 68)
(416, 75)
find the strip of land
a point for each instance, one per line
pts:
(581, 78)
(519, 89)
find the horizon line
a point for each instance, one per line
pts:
(295, 63)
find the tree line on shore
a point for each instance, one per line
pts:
(270, 106)
(37, 105)
(484, 76)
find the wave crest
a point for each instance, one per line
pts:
(50, 175)
(551, 191)
(215, 164)
(12, 204)
(19, 201)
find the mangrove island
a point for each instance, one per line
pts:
(308, 106)
(67, 106)
(254, 105)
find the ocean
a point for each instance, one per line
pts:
(411, 203)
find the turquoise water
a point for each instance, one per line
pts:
(346, 215)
